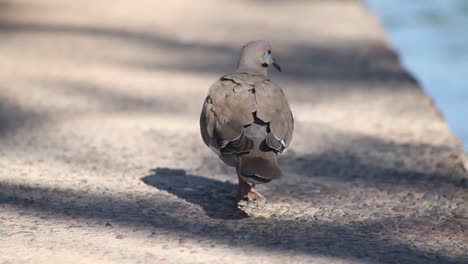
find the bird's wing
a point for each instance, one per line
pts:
(273, 108)
(229, 106)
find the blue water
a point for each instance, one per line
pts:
(432, 38)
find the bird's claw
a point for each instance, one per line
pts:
(253, 199)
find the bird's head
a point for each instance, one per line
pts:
(257, 55)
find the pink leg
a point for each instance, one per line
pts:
(254, 195)
(244, 190)
(248, 193)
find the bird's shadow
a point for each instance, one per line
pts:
(217, 198)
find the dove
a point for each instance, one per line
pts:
(246, 120)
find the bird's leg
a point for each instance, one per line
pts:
(244, 189)
(248, 193)
(255, 195)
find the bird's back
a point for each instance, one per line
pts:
(246, 120)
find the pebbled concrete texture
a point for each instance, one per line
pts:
(101, 158)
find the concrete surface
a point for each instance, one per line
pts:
(101, 160)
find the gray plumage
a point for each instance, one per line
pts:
(246, 118)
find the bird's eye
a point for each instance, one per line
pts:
(269, 51)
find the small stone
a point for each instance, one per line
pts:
(119, 237)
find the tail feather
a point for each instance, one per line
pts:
(260, 166)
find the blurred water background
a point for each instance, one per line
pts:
(431, 37)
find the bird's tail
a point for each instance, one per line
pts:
(259, 166)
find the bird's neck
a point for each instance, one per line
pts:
(252, 69)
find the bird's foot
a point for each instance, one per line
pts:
(254, 195)
(251, 199)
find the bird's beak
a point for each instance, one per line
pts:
(276, 65)
(268, 60)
